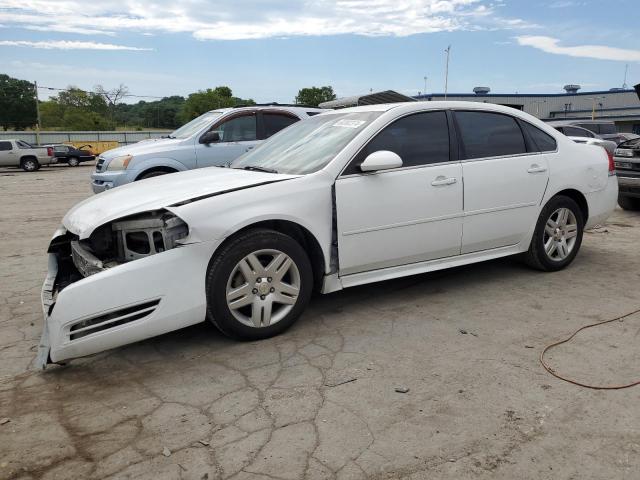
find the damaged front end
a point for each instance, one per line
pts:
(119, 242)
(126, 240)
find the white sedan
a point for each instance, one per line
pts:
(344, 198)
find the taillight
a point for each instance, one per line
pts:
(612, 165)
(50, 151)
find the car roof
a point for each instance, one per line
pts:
(433, 105)
(270, 106)
(576, 122)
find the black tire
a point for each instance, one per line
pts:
(222, 266)
(629, 203)
(155, 173)
(29, 164)
(536, 257)
(73, 162)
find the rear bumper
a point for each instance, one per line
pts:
(124, 304)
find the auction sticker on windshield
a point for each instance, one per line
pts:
(348, 123)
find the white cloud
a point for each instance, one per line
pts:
(67, 45)
(252, 19)
(68, 29)
(600, 52)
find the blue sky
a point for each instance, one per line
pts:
(268, 49)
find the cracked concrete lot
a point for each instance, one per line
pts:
(320, 401)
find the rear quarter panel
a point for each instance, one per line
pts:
(584, 168)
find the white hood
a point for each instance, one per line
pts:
(159, 192)
(143, 147)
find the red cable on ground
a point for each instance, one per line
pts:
(594, 387)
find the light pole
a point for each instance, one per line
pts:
(425, 85)
(446, 73)
(35, 89)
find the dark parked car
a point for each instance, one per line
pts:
(627, 162)
(71, 155)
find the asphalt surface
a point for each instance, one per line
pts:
(320, 401)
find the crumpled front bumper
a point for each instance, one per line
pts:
(123, 304)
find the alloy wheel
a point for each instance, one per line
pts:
(29, 165)
(263, 288)
(560, 234)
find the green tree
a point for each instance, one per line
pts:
(314, 96)
(209, 99)
(75, 109)
(17, 103)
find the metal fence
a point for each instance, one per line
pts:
(122, 137)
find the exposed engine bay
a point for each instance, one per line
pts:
(115, 243)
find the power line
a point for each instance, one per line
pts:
(95, 92)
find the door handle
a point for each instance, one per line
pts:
(249, 148)
(441, 181)
(535, 168)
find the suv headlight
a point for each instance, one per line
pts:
(120, 163)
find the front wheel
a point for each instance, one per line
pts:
(258, 285)
(73, 162)
(558, 235)
(155, 173)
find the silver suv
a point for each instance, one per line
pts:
(213, 139)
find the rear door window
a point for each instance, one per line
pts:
(543, 142)
(592, 127)
(577, 132)
(5, 146)
(607, 128)
(488, 134)
(274, 122)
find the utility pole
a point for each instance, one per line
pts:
(446, 73)
(35, 88)
(626, 70)
(425, 85)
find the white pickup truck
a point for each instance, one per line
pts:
(18, 153)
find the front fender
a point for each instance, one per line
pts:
(144, 165)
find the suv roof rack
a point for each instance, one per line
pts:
(275, 104)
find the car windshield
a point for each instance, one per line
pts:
(307, 146)
(195, 125)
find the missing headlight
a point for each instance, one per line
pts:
(126, 240)
(148, 235)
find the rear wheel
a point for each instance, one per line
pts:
(29, 164)
(73, 162)
(258, 285)
(628, 203)
(558, 235)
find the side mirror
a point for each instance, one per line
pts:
(210, 137)
(381, 160)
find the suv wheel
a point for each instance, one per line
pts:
(30, 165)
(558, 235)
(258, 285)
(628, 203)
(155, 173)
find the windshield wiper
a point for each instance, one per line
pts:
(255, 168)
